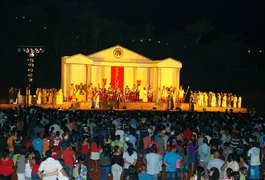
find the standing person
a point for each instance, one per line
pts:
(6, 166)
(143, 174)
(170, 161)
(129, 157)
(85, 150)
(38, 143)
(49, 168)
(154, 163)
(192, 149)
(254, 156)
(95, 153)
(230, 163)
(216, 162)
(116, 163)
(68, 155)
(21, 164)
(10, 143)
(80, 170)
(35, 164)
(105, 162)
(204, 154)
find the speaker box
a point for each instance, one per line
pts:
(154, 108)
(124, 107)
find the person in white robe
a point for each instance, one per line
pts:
(239, 102)
(39, 95)
(235, 101)
(144, 97)
(213, 100)
(224, 101)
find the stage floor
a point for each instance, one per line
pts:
(146, 106)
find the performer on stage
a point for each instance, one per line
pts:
(59, 97)
(239, 102)
(224, 101)
(164, 95)
(110, 93)
(219, 100)
(150, 94)
(213, 100)
(181, 94)
(71, 92)
(39, 95)
(127, 93)
(235, 101)
(145, 94)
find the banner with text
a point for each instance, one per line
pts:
(117, 77)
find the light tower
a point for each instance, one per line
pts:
(31, 51)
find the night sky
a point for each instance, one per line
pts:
(221, 43)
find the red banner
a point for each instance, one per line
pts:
(117, 77)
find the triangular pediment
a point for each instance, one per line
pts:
(119, 54)
(78, 59)
(169, 62)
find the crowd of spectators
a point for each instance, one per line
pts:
(50, 143)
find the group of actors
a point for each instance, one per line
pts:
(101, 96)
(211, 99)
(50, 96)
(104, 97)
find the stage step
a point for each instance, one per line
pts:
(143, 106)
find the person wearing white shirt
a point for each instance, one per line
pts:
(216, 162)
(153, 162)
(254, 155)
(129, 157)
(49, 169)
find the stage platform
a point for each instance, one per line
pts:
(145, 106)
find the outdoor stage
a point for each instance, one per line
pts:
(145, 106)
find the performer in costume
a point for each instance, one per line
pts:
(234, 101)
(127, 94)
(39, 95)
(145, 94)
(71, 92)
(150, 94)
(219, 100)
(181, 94)
(213, 101)
(239, 102)
(224, 101)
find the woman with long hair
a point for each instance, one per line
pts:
(95, 153)
(35, 164)
(105, 162)
(199, 174)
(84, 150)
(6, 166)
(214, 174)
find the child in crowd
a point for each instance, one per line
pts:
(80, 170)
(143, 175)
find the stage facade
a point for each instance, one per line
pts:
(119, 67)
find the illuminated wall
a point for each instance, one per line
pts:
(78, 74)
(166, 77)
(128, 77)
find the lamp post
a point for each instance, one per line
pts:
(31, 51)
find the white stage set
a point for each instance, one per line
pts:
(119, 67)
